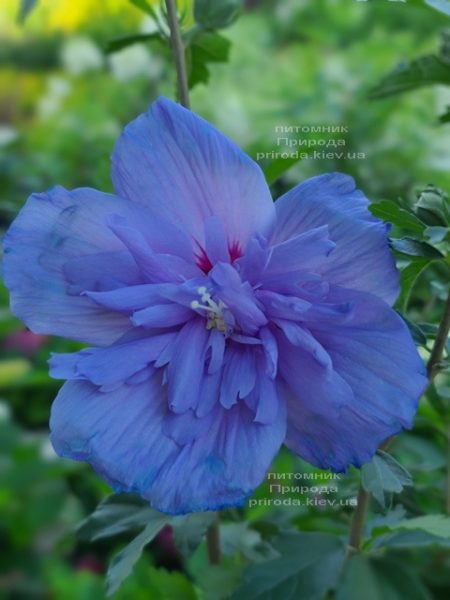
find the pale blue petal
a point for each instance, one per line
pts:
(362, 259)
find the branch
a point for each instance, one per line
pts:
(213, 542)
(178, 52)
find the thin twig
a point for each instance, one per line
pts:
(357, 528)
(178, 52)
(213, 541)
(440, 341)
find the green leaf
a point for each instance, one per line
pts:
(412, 247)
(420, 454)
(239, 537)
(417, 334)
(118, 514)
(392, 213)
(216, 14)
(26, 6)
(189, 530)
(437, 525)
(442, 6)
(144, 6)
(408, 278)
(219, 581)
(381, 579)
(445, 117)
(122, 563)
(308, 567)
(432, 206)
(277, 167)
(128, 40)
(437, 234)
(384, 474)
(436, 401)
(205, 48)
(424, 71)
(410, 539)
(166, 585)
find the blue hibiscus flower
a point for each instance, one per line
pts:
(223, 325)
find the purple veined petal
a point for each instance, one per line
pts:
(215, 350)
(264, 400)
(239, 375)
(115, 364)
(300, 337)
(51, 230)
(362, 259)
(270, 348)
(309, 286)
(305, 251)
(163, 236)
(310, 379)
(373, 353)
(155, 268)
(187, 427)
(120, 434)
(283, 306)
(134, 297)
(209, 394)
(102, 271)
(226, 476)
(183, 168)
(162, 315)
(252, 265)
(186, 368)
(216, 244)
(238, 297)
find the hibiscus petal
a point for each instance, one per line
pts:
(183, 168)
(115, 364)
(238, 297)
(154, 267)
(50, 231)
(373, 353)
(121, 434)
(187, 365)
(239, 375)
(134, 297)
(306, 251)
(162, 315)
(362, 259)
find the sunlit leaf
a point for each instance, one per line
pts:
(26, 6)
(144, 6)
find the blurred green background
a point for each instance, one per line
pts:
(63, 102)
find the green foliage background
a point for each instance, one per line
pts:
(67, 88)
